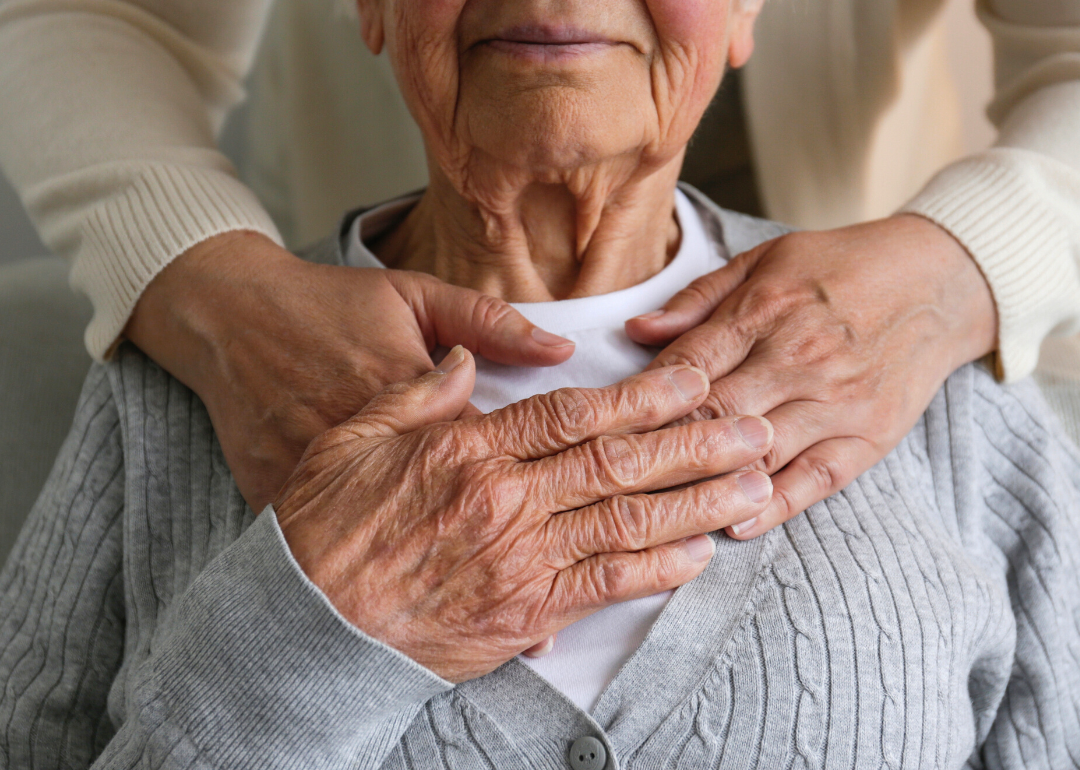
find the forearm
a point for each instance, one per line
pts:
(258, 670)
(1016, 207)
(110, 115)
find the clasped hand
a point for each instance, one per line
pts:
(463, 542)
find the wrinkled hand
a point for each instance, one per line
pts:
(279, 349)
(463, 543)
(841, 338)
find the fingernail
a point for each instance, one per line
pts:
(756, 486)
(453, 360)
(690, 382)
(549, 340)
(545, 649)
(744, 527)
(700, 547)
(754, 431)
(649, 316)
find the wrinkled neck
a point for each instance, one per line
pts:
(530, 240)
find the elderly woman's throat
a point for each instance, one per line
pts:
(538, 242)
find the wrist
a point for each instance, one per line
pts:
(958, 289)
(187, 313)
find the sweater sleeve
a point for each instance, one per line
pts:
(1016, 206)
(253, 667)
(259, 670)
(62, 603)
(111, 108)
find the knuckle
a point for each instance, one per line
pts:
(825, 475)
(391, 400)
(701, 291)
(568, 413)
(614, 578)
(631, 520)
(666, 567)
(617, 460)
(788, 504)
(489, 312)
(685, 354)
(640, 399)
(716, 405)
(771, 462)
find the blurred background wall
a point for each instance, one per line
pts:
(969, 58)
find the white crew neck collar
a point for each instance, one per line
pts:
(695, 257)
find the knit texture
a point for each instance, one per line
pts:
(1016, 224)
(129, 239)
(926, 616)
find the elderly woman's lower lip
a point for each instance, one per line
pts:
(547, 51)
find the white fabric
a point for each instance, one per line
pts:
(588, 654)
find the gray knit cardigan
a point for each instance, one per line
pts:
(927, 616)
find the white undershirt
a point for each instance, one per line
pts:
(588, 654)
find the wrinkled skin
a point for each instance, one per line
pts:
(281, 350)
(840, 338)
(552, 171)
(462, 543)
(555, 132)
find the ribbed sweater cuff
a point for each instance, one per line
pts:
(995, 204)
(262, 671)
(131, 237)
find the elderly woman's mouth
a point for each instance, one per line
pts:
(544, 43)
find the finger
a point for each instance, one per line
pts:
(799, 425)
(717, 346)
(609, 578)
(637, 522)
(546, 424)
(489, 327)
(633, 463)
(819, 472)
(757, 386)
(437, 396)
(693, 305)
(541, 649)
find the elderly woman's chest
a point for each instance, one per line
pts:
(866, 639)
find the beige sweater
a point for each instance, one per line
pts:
(110, 110)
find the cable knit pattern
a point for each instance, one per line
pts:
(927, 616)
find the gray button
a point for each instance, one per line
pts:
(588, 754)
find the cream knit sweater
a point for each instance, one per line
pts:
(109, 111)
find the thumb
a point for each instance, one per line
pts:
(438, 396)
(489, 327)
(693, 305)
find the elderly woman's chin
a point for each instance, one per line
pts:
(551, 120)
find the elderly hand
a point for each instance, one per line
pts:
(280, 349)
(841, 338)
(463, 543)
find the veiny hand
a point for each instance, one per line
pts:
(280, 349)
(463, 543)
(841, 338)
